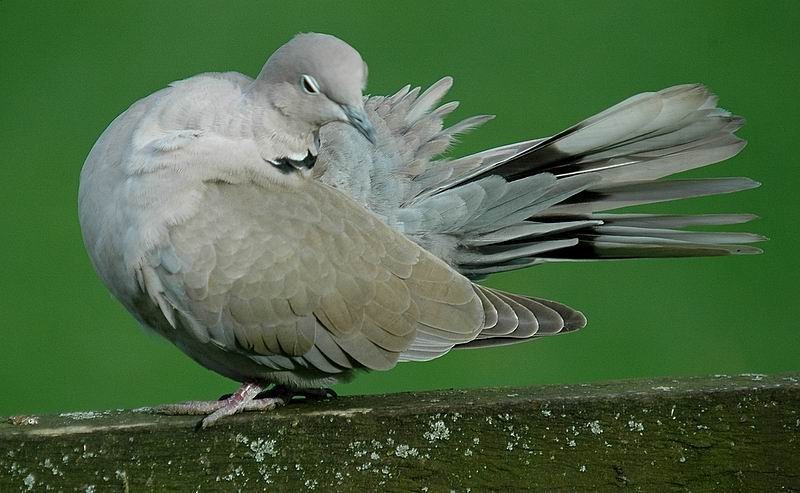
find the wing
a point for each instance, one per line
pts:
(304, 277)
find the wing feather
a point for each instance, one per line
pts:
(307, 277)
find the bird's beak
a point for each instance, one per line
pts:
(357, 117)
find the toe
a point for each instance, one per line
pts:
(190, 408)
(264, 404)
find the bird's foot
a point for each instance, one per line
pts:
(246, 398)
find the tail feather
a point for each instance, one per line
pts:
(701, 237)
(595, 249)
(653, 164)
(515, 197)
(673, 221)
(640, 193)
(647, 122)
(523, 318)
(502, 253)
(525, 230)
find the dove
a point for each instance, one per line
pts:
(287, 232)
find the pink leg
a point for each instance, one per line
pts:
(241, 400)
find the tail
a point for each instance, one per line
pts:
(547, 200)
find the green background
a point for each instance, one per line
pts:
(68, 68)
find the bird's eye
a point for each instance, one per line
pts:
(309, 84)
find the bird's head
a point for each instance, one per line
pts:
(317, 79)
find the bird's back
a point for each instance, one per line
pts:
(112, 181)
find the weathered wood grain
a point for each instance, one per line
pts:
(738, 433)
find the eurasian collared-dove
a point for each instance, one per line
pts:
(205, 215)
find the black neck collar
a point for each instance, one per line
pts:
(286, 165)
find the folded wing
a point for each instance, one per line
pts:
(306, 278)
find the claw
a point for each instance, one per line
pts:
(249, 397)
(244, 399)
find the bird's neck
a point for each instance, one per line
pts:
(277, 135)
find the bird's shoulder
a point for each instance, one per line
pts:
(195, 128)
(288, 221)
(187, 109)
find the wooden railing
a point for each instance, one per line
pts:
(721, 433)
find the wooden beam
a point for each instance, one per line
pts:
(725, 433)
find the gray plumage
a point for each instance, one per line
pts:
(284, 229)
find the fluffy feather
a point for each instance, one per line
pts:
(544, 200)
